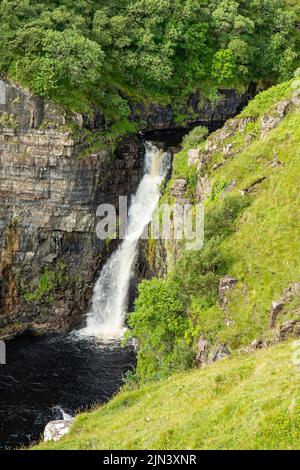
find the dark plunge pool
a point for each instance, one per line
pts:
(46, 375)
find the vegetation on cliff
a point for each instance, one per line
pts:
(247, 177)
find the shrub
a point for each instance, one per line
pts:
(195, 137)
(160, 322)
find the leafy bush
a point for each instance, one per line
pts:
(155, 46)
(195, 137)
(160, 323)
(54, 58)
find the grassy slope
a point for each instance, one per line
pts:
(248, 402)
(263, 253)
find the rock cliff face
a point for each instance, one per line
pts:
(196, 109)
(49, 251)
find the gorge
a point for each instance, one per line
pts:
(50, 256)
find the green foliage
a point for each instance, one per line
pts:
(160, 323)
(58, 48)
(48, 282)
(161, 320)
(224, 66)
(56, 58)
(195, 137)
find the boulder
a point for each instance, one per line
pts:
(227, 150)
(257, 344)
(278, 305)
(290, 328)
(56, 429)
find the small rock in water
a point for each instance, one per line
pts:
(55, 430)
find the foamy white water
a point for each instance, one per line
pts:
(110, 297)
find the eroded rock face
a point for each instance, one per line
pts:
(49, 251)
(207, 354)
(271, 121)
(197, 108)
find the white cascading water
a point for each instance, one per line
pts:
(109, 303)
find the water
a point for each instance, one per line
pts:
(53, 377)
(109, 303)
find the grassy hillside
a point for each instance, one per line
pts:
(250, 171)
(241, 403)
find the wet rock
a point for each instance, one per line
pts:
(56, 429)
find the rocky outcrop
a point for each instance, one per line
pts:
(197, 108)
(271, 121)
(279, 306)
(49, 251)
(207, 353)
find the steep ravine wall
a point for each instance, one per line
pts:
(49, 252)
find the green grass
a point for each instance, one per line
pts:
(246, 402)
(263, 251)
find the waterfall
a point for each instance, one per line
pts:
(110, 297)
